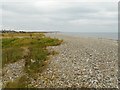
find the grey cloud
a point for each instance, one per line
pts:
(20, 8)
(27, 16)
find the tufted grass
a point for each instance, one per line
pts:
(14, 48)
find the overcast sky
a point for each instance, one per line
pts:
(60, 15)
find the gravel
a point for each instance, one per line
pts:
(12, 71)
(81, 62)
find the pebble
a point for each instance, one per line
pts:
(81, 62)
(12, 71)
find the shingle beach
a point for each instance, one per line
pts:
(81, 62)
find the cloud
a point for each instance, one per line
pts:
(86, 22)
(60, 15)
(61, 0)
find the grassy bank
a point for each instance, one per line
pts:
(30, 47)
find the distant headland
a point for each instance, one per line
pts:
(23, 31)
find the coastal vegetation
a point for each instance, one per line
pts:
(32, 47)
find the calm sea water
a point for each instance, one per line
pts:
(107, 35)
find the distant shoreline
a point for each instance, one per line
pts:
(101, 35)
(81, 36)
(20, 31)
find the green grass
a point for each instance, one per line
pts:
(21, 82)
(11, 55)
(35, 60)
(13, 35)
(12, 48)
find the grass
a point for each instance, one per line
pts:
(21, 82)
(35, 61)
(13, 35)
(13, 49)
(11, 55)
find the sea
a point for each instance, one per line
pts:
(106, 35)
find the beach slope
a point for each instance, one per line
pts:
(81, 62)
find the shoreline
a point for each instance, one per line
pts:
(62, 35)
(86, 35)
(106, 35)
(82, 63)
